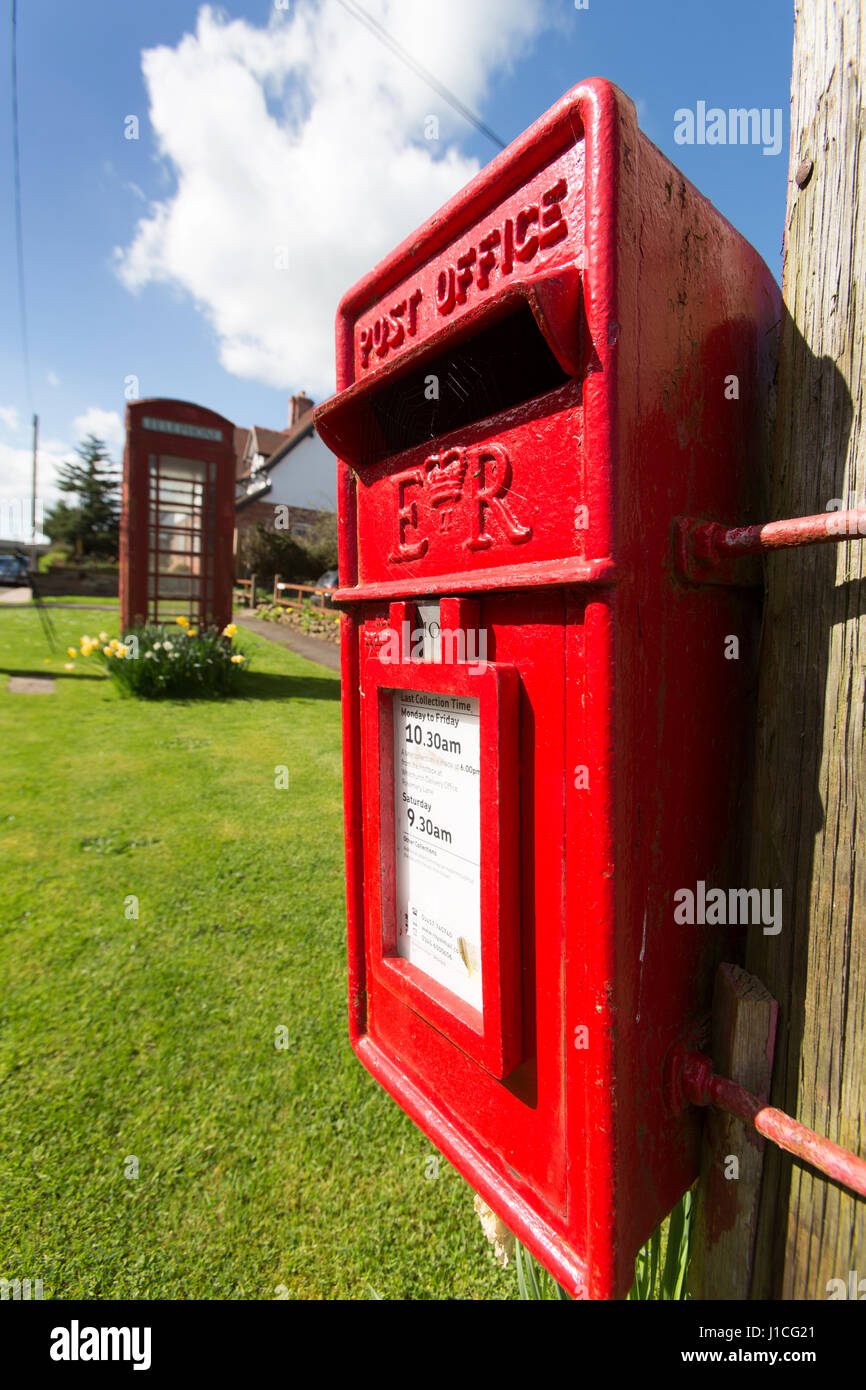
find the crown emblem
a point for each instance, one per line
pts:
(445, 476)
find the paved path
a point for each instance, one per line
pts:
(31, 685)
(313, 648)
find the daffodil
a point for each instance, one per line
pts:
(230, 629)
(68, 666)
(192, 632)
(106, 651)
(238, 660)
(70, 651)
(103, 636)
(182, 622)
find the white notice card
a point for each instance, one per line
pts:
(437, 833)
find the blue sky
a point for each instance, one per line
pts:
(285, 126)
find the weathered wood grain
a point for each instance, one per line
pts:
(723, 1233)
(809, 831)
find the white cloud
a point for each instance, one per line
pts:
(16, 468)
(10, 417)
(52, 378)
(105, 424)
(306, 135)
(16, 482)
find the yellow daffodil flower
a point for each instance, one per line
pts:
(70, 651)
(238, 660)
(230, 630)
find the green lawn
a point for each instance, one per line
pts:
(259, 1168)
(76, 600)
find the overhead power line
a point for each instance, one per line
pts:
(441, 90)
(16, 177)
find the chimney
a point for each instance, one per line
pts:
(298, 406)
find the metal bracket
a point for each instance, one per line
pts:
(708, 552)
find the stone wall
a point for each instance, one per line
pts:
(78, 580)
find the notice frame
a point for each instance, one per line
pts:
(492, 1035)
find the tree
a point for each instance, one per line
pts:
(321, 543)
(93, 525)
(300, 560)
(266, 553)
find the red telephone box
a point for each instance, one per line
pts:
(177, 518)
(544, 725)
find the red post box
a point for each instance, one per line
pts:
(177, 518)
(544, 723)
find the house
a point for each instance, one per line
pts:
(279, 469)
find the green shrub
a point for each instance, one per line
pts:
(181, 662)
(300, 560)
(266, 553)
(57, 555)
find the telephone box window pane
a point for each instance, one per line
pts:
(189, 470)
(177, 587)
(437, 838)
(178, 542)
(175, 562)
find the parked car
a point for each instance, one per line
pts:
(329, 580)
(14, 570)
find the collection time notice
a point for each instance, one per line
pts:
(437, 830)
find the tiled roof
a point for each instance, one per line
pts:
(267, 441)
(241, 438)
(286, 441)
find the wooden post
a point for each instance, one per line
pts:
(34, 554)
(252, 591)
(723, 1232)
(276, 587)
(809, 824)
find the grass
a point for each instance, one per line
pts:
(661, 1267)
(81, 601)
(148, 1043)
(66, 600)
